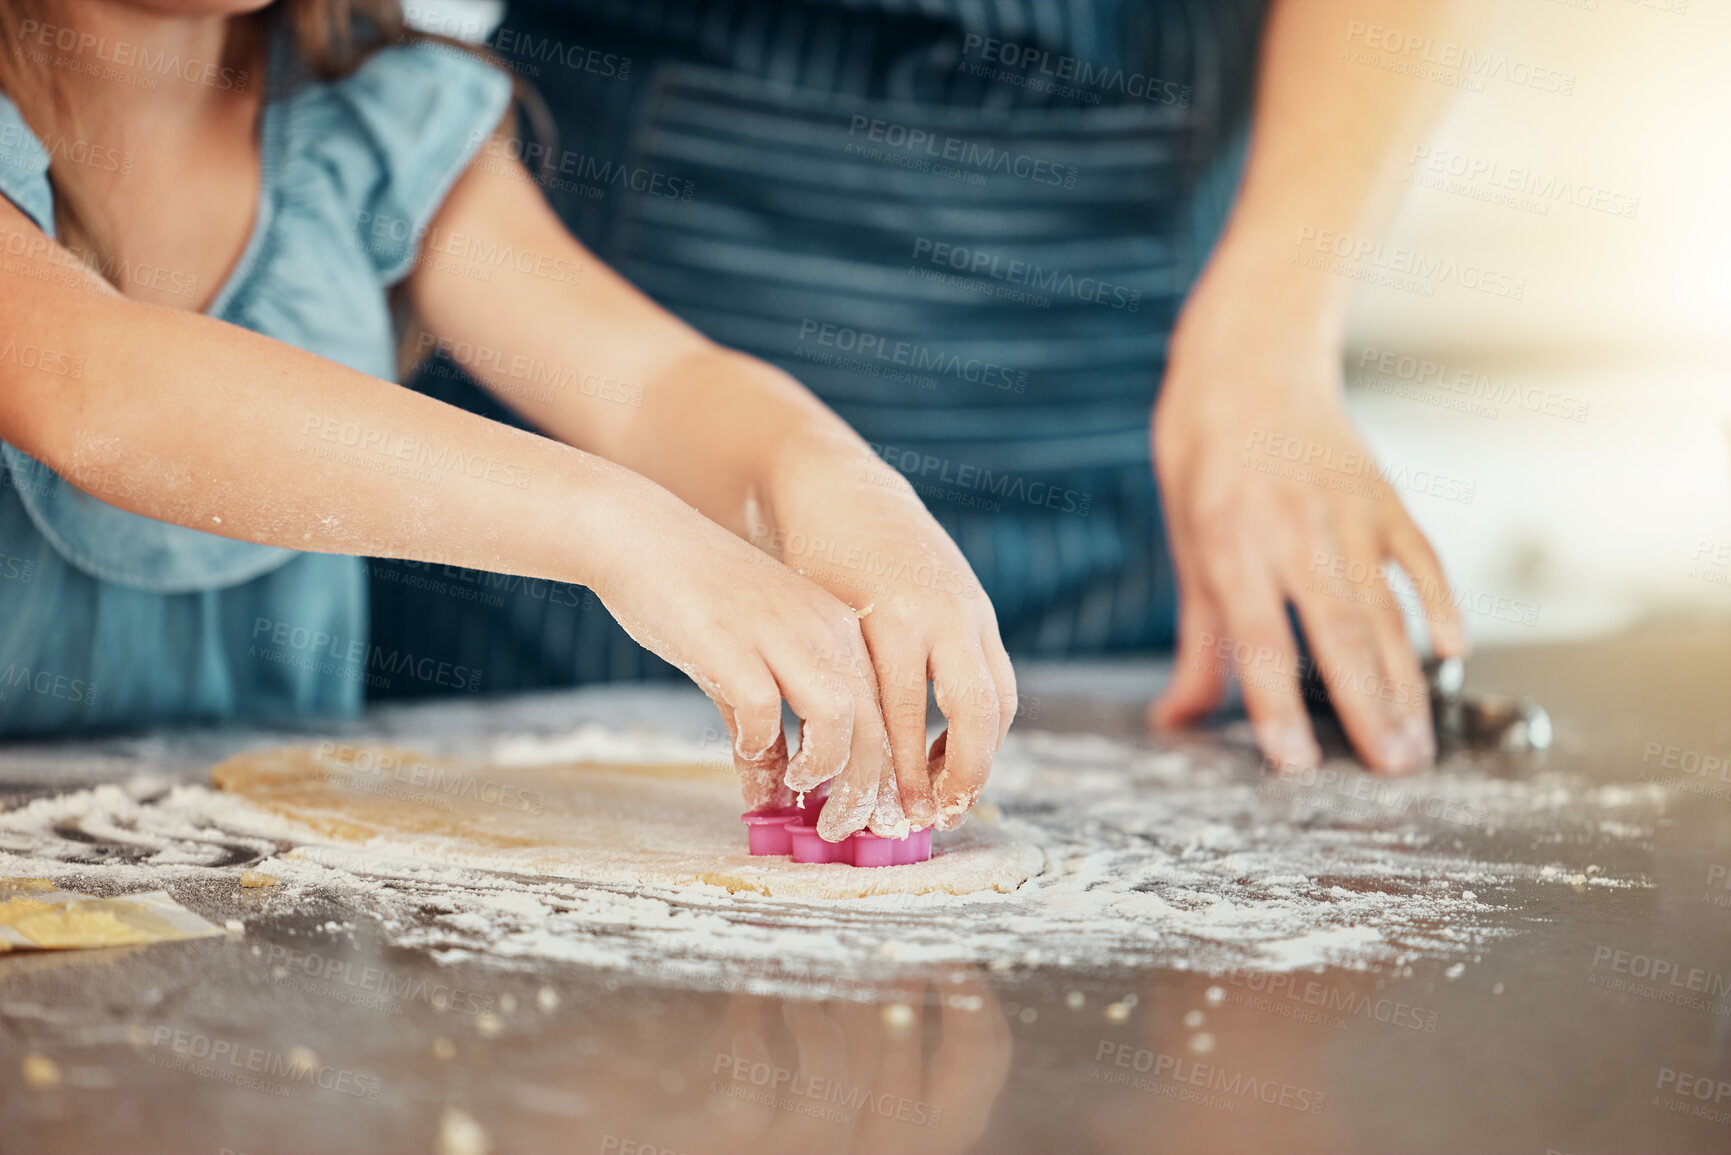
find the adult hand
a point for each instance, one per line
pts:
(1272, 498)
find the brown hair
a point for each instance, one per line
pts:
(332, 38)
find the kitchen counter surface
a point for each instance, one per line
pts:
(1576, 1018)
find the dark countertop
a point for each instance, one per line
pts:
(1600, 1020)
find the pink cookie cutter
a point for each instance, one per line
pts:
(792, 831)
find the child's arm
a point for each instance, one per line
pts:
(593, 362)
(203, 424)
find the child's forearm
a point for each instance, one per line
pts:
(586, 357)
(200, 423)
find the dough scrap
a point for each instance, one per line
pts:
(631, 825)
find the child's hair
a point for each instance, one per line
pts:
(331, 37)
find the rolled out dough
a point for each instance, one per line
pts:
(632, 825)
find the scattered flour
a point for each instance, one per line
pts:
(1185, 856)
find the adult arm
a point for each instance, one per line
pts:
(1255, 363)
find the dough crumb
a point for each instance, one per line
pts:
(898, 1020)
(459, 1134)
(487, 1024)
(547, 999)
(234, 926)
(444, 1049)
(256, 878)
(1117, 1012)
(40, 1072)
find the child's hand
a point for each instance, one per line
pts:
(751, 632)
(851, 523)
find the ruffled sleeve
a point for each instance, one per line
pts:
(396, 135)
(24, 168)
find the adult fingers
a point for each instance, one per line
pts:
(1265, 657)
(1410, 692)
(1344, 642)
(1408, 545)
(1198, 679)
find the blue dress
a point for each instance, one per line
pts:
(110, 619)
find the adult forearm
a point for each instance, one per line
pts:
(1329, 139)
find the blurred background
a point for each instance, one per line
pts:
(1589, 421)
(1622, 514)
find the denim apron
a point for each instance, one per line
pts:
(968, 227)
(111, 619)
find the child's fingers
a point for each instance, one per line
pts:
(762, 779)
(968, 696)
(888, 819)
(759, 745)
(865, 792)
(826, 708)
(1004, 678)
(902, 690)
